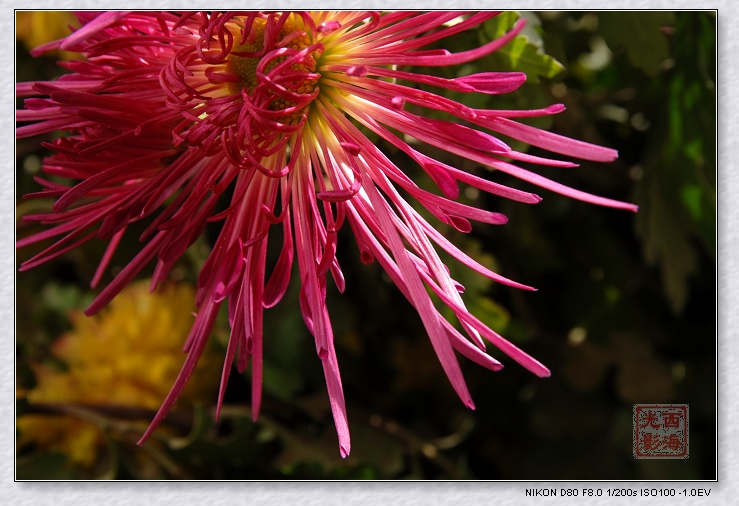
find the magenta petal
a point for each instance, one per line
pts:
(280, 279)
(101, 22)
(419, 298)
(553, 142)
(493, 82)
(336, 400)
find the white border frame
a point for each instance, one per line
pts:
(387, 493)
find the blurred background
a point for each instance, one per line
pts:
(625, 311)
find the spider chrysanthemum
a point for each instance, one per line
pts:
(170, 114)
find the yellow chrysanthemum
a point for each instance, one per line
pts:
(128, 355)
(35, 28)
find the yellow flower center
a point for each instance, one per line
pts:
(246, 67)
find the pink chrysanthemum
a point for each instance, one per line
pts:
(169, 113)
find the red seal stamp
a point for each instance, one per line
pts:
(660, 431)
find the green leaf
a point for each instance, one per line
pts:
(525, 53)
(677, 194)
(205, 446)
(667, 242)
(640, 33)
(692, 197)
(45, 466)
(63, 298)
(284, 383)
(499, 25)
(526, 57)
(490, 313)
